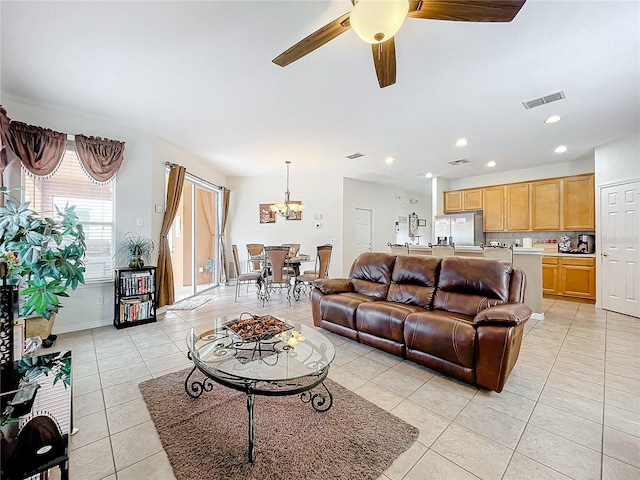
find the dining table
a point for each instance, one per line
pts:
(292, 262)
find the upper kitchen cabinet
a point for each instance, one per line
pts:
(453, 201)
(545, 205)
(578, 203)
(463, 200)
(494, 209)
(472, 199)
(518, 217)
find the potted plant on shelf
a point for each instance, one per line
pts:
(44, 256)
(136, 249)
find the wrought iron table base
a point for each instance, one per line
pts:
(320, 401)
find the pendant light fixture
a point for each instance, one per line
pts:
(376, 21)
(287, 209)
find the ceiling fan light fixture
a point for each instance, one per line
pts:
(376, 21)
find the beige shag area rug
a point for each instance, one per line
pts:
(207, 437)
(188, 303)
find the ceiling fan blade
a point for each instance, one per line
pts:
(384, 59)
(466, 11)
(314, 41)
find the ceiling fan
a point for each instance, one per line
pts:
(377, 21)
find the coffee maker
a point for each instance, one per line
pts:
(586, 243)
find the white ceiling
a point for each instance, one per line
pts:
(199, 74)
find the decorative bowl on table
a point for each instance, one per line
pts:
(255, 328)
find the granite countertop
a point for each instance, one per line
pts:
(576, 255)
(475, 248)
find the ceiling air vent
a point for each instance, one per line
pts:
(536, 102)
(462, 161)
(353, 156)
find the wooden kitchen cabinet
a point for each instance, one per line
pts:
(518, 217)
(545, 205)
(472, 199)
(578, 203)
(578, 277)
(569, 277)
(494, 209)
(463, 200)
(550, 275)
(453, 201)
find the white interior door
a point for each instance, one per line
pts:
(620, 248)
(362, 229)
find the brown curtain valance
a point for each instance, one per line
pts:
(100, 157)
(4, 129)
(39, 149)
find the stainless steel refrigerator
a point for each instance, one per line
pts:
(458, 228)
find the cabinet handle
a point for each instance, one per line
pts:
(605, 254)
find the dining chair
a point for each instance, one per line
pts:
(503, 253)
(244, 278)
(277, 278)
(254, 250)
(443, 251)
(323, 258)
(294, 248)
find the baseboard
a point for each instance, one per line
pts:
(75, 327)
(537, 316)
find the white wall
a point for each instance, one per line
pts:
(618, 161)
(615, 162)
(140, 184)
(584, 164)
(322, 195)
(387, 204)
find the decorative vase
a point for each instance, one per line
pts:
(136, 262)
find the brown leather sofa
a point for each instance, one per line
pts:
(461, 316)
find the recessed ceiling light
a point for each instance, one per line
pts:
(428, 175)
(553, 119)
(560, 149)
(461, 142)
(388, 160)
(491, 163)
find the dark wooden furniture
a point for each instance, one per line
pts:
(135, 296)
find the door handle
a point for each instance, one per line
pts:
(605, 254)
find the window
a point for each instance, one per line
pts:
(94, 205)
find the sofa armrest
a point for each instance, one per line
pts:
(330, 286)
(507, 314)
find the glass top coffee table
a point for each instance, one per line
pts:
(291, 362)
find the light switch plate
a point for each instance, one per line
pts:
(139, 222)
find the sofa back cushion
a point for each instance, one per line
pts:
(371, 274)
(414, 279)
(469, 285)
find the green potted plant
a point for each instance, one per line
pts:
(44, 255)
(136, 249)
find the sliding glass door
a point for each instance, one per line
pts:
(193, 239)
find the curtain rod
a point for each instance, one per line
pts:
(173, 165)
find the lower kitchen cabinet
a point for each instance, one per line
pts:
(550, 275)
(569, 277)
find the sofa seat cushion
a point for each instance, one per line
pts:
(384, 319)
(341, 309)
(446, 335)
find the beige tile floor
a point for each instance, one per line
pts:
(571, 407)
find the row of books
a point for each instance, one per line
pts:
(134, 309)
(137, 284)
